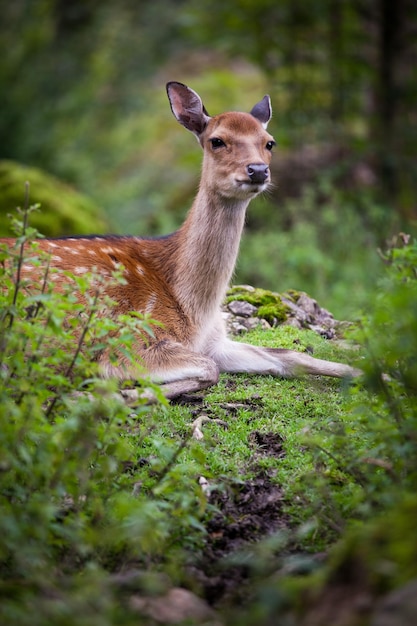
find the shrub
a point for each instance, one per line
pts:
(367, 461)
(86, 488)
(360, 492)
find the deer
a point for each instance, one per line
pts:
(181, 279)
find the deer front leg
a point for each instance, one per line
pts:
(177, 369)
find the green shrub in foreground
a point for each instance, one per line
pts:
(76, 503)
(375, 444)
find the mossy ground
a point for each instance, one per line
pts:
(292, 409)
(269, 304)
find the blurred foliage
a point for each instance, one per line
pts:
(391, 333)
(77, 505)
(369, 561)
(64, 210)
(330, 250)
(376, 443)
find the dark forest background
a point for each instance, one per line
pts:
(82, 99)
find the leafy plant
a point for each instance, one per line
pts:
(365, 461)
(86, 485)
(355, 493)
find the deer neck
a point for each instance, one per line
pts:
(208, 248)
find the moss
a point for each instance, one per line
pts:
(257, 297)
(293, 295)
(64, 211)
(269, 304)
(273, 312)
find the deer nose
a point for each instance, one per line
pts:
(257, 172)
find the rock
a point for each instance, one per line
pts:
(236, 327)
(398, 608)
(327, 333)
(242, 308)
(262, 323)
(175, 607)
(306, 313)
(294, 309)
(292, 321)
(308, 305)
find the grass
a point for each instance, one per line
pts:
(295, 410)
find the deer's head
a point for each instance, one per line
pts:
(237, 147)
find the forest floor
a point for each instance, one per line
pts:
(247, 511)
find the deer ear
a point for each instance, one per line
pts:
(263, 111)
(187, 107)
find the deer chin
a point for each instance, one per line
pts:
(249, 189)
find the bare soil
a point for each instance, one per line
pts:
(247, 512)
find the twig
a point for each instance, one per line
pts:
(169, 465)
(196, 426)
(21, 252)
(77, 351)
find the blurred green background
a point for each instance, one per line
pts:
(85, 118)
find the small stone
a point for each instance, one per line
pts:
(327, 333)
(251, 322)
(237, 328)
(177, 606)
(309, 306)
(242, 308)
(293, 322)
(398, 608)
(263, 323)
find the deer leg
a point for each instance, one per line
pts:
(177, 369)
(236, 357)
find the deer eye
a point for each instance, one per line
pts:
(270, 145)
(217, 143)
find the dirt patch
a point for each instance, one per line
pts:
(267, 444)
(247, 512)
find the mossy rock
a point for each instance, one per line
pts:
(293, 295)
(269, 304)
(63, 211)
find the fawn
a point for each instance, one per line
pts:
(181, 279)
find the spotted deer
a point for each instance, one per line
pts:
(181, 279)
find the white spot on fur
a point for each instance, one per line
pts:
(150, 304)
(80, 270)
(55, 257)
